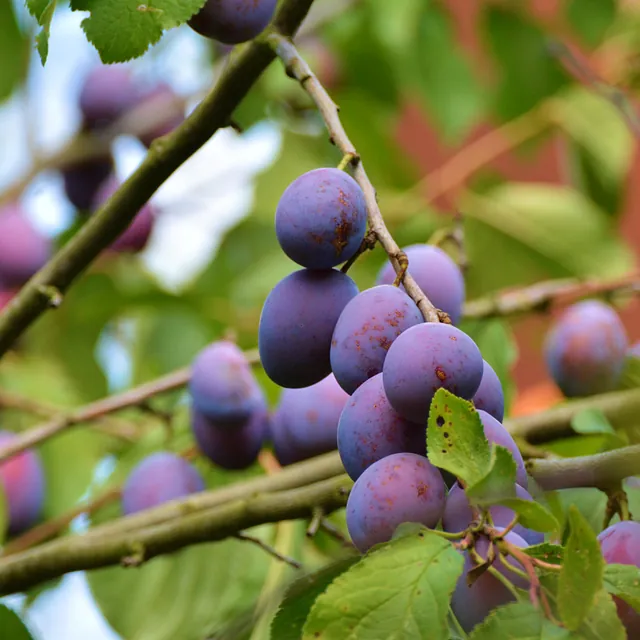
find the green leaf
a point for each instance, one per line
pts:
(443, 75)
(518, 621)
(582, 572)
(42, 11)
(537, 231)
(603, 146)
(399, 591)
(602, 621)
(500, 482)
(590, 19)
(13, 51)
(532, 514)
(12, 627)
(623, 580)
(551, 553)
(124, 29)
(528, 73)
(591, 421)
(297, 602)
(631, 374)
(455, 438)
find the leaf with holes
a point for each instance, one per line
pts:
(455, 438)
(401, 590)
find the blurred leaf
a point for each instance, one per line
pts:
(582, 572)
(602, 151)
(297, 602)
(496, 341)
(590, 19)
(69, 462)
(631, 374)
(456, 440)
(11, 625)
(591, 421)
(443, 75)
(124, 29)
(518, 621)
(528, 73)
(590, 502)
(538, 231)
(13, 49)
(623, 580)
(4, 515)
(399, 590)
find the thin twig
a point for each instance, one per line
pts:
(48, 286)
(269, 549)
(541, 296)
(298, 69)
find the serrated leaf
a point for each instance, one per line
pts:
(518, 621)
(12, 627)
(623, 580)
(299, 598)
(532, 514)
(590, 19)
(455, 438)
(602, 621)
(400, 591)
(124, 29)
(581, 577)
(551, 553)
(42, 11)
(500, 481)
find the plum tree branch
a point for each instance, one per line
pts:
(621, 408)
(77, 552)
(540, 296)
(298, 69)
(166, 154)
(601, 470)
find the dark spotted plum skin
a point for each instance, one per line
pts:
(233, 448)
(425, 358)
(296, 325)
(489, 397)
(471, 605)
(137, 234)
(403, 487)
(233, 21)
(222, 385)
(305, 422)
(620, 544)
(457, 514)
(161, 98)
(370, 429)
(107, 93)
(586, 349)
(496, 434)
(23, 249)
(23, 483)
(366, 330)
(321, 218)
(82, 181)
(436, 274)
(160, 477)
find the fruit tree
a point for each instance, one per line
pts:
(327, 431)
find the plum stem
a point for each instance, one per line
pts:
(297, 68)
